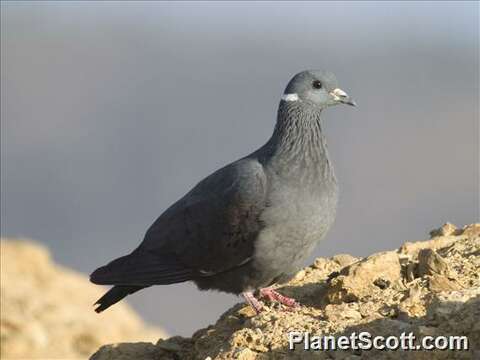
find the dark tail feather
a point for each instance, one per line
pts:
(142, 268)
(114, 295)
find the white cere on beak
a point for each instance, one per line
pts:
(290, 97)
(338, 94)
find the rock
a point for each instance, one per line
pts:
(126, 351)
(430, 263)
(46, 310)
(381, 283)
(445, 230)
(412, 248)
(343, 295)
(472, 231)
(414, 303)
(437, 283)
(300, 275)
(358, 279)
(344, 259)
(343, 311)
(246, 354)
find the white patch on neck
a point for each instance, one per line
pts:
(290, 97)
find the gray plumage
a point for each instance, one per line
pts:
(253, 222)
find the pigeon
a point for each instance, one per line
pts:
(250, 225)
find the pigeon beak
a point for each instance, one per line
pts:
(342, 97)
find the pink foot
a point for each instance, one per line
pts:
(273, 295)
(252, 301)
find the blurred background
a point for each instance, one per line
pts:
(112, 111)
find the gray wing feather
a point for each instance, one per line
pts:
(213, 228)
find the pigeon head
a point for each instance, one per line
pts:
(317, 88)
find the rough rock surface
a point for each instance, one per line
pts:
(429, 288)
(47, 313)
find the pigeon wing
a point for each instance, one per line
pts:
(213, 228)
(210, 230)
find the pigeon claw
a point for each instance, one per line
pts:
(253, 302)
(273, 295)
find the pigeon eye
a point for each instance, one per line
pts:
(317, 84)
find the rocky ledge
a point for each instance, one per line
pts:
(428, 287)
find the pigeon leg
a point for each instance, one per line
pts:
(252, 301)
(273, 295)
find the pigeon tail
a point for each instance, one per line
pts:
(114, 295)
(142, 268)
